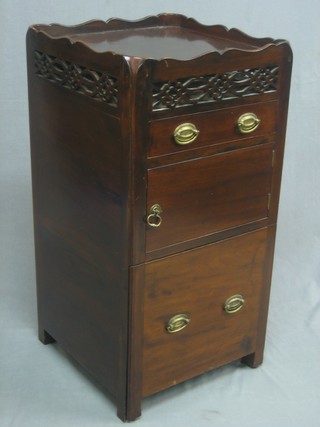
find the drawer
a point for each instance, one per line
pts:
(197, 285)
(210, 128)
(208, 195)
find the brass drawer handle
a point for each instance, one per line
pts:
(177, 323)
(185, 133)
(154, 219)
(233, 304)
(248, 122)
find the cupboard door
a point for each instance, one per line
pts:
(208, 195)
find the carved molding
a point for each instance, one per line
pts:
(214, 88)
(94, 84)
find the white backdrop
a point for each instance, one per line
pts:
(40, 386)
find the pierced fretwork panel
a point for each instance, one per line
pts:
(214, 88)
(91, 83)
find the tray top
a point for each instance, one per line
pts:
(161, 37)
(157, 43)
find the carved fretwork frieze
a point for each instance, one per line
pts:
(214, 88)
(94, 84)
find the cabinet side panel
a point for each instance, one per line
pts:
(79, 216)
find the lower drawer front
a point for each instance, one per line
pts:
(197, 285)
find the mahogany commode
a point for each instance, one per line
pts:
(157, 150)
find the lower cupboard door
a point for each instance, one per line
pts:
(201, 309)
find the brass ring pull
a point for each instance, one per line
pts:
(177, 323)
(154, 219)
(185, 133)
(233, 304)
(248, 122)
